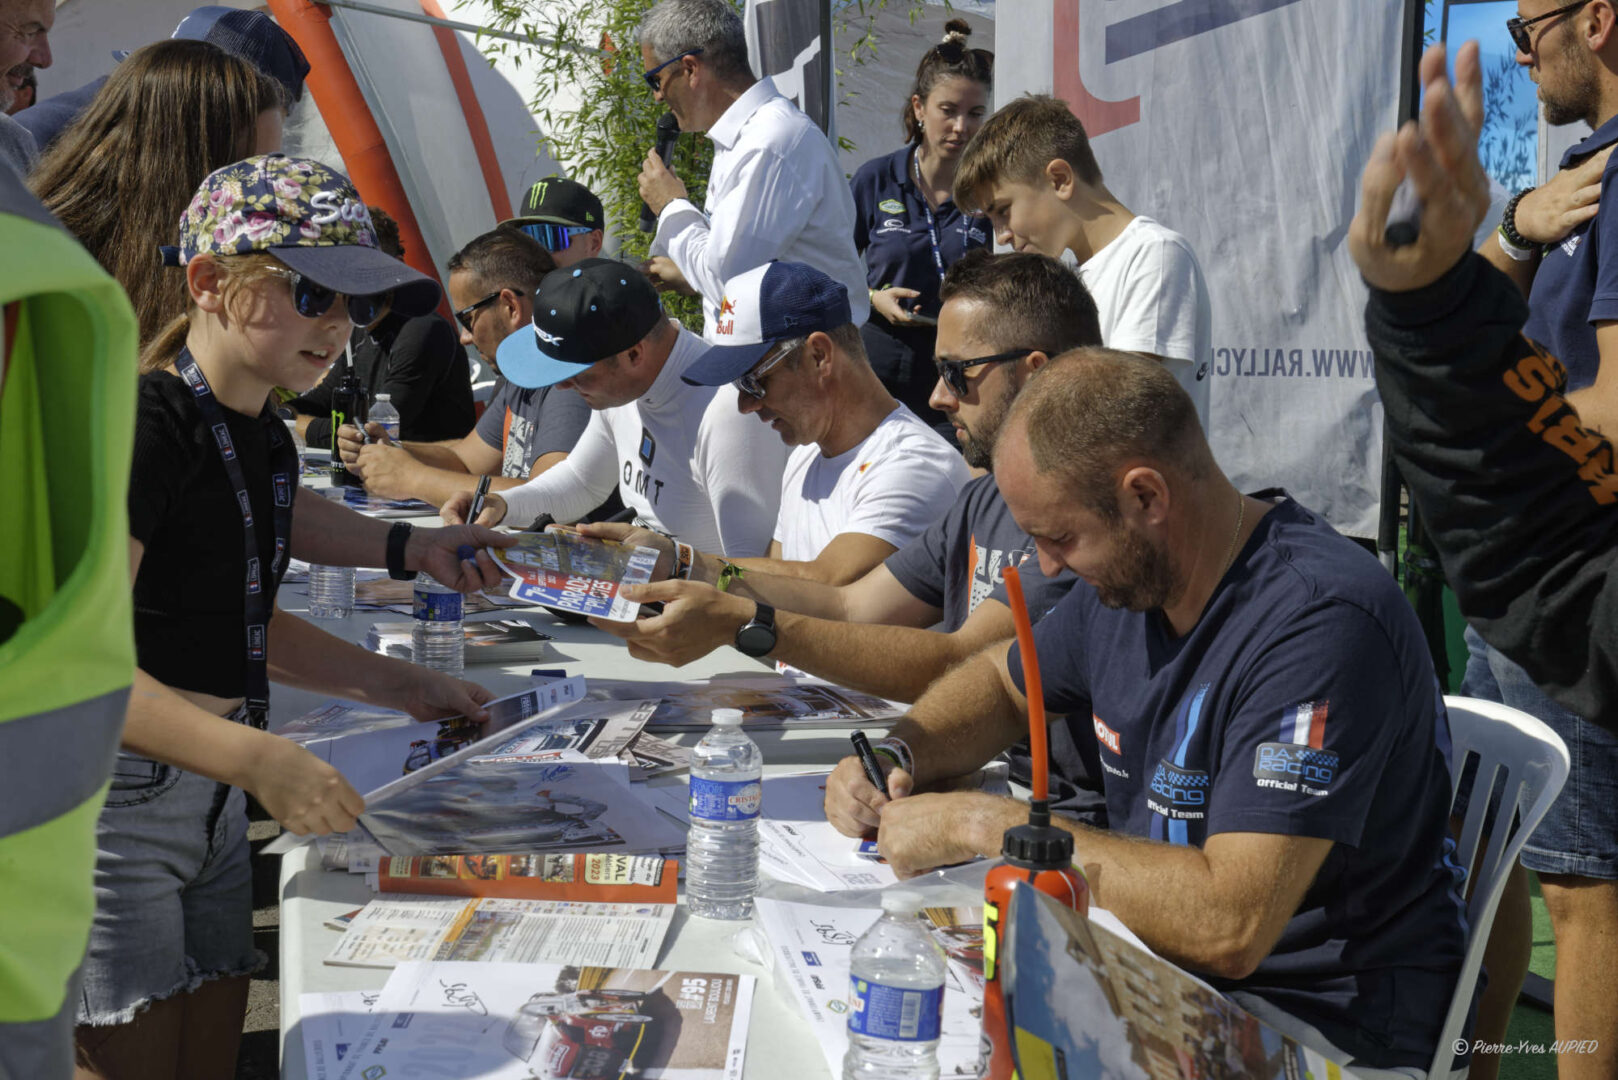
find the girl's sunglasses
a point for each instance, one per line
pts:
(313, 300)
(953, 372)
(555, 237)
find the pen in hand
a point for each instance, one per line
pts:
(868, 762)
(477, 500)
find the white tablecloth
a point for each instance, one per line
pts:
(779, 1046)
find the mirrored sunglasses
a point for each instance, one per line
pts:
(555, 237)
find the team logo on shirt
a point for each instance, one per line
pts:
(1298, 761)
(1571, 244)
(892, 225)
(862, 468)
(986, 567)
(221, 435)
(891, 206)
(1105, 735)
(648, 447)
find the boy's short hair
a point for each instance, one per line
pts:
(1015, 145)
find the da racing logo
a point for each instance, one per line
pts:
(1179, 793)
(1170, 22)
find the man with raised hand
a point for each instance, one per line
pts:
(776, 190)
(1270, 730)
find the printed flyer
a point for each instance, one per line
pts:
(576, 573)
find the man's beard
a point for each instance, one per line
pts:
(1139, 577)
(978, 447)
(1582, 100)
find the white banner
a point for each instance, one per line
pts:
(1244, 125)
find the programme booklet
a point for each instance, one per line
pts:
(569, 572)
(391, 930)
(1084, 1000)
(520, 1021)
(644, 879)
(767, 702)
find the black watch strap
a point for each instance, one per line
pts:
(757, 637)
(398, 537)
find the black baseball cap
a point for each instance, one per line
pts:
(556, 200)
(251, 35)
(582, 315)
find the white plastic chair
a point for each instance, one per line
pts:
(1531, 763)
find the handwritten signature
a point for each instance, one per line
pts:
(462, 996)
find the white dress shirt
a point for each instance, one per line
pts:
(776, 192)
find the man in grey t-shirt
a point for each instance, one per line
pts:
(940, 598)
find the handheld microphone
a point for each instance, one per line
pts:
(668, 133)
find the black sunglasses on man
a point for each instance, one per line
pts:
(1518, 27)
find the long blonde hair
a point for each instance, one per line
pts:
(120, 177)
(237, 271)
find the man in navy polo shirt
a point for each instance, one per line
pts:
(1272, 738)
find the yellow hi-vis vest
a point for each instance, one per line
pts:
(67, 417)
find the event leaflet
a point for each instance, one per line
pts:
(1086, 998)
(642, 879)
(392, 930)
(767, 702)
(332, 1025)
(511, 1021)
(812, 945)
(569, 572)
(518, 794)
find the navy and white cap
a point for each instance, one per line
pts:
(251, 35)
(767, 304)
(582, 314)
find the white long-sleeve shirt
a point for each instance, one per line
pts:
(776, 191)
(683, 457)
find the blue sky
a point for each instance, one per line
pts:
(1486, 22)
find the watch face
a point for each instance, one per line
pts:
(755, 640)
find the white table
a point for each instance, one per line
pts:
(779, 1043)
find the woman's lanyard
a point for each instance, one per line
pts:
(284, 471)
(927, 209)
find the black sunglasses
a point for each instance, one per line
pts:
(953, 372)
(555, 237)
(464, 316)
(651, 76)
(312, 300)
(1518, 28)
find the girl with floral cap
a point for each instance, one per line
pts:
(279, 260)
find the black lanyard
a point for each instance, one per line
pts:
(927, 209)
(284, 472)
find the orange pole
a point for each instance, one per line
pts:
(449, 43)
(353, 128)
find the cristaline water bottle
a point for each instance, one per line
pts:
(721, 852)
(437, 640)
(331, 592)
(895, 996)
(383, 412)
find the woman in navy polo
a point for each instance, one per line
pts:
(905, 220)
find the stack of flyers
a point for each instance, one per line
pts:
(376, 506)
(498, 1021)
(574, 573)
(493, 641)
(386, 594)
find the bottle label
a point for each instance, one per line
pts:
(725, 800)
(892, 1012)
(438, 607)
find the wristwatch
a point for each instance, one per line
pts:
(757, 637)
(398, 537)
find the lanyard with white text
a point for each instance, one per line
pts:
(926, 208)
(284, 472)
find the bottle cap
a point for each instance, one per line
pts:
(1037, 847)
(901, 901)
(384, 397)
(727, 717)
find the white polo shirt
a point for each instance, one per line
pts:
(775, 191)
(893, 485)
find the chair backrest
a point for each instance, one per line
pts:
(1529, 762)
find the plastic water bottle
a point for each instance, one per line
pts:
(331, 592)
(721, 852)
(437, 639)
(895, 996)
(383, 412)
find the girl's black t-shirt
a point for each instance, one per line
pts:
(190, 592)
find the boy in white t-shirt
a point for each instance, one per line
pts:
(1030, 169)
(868, 475)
